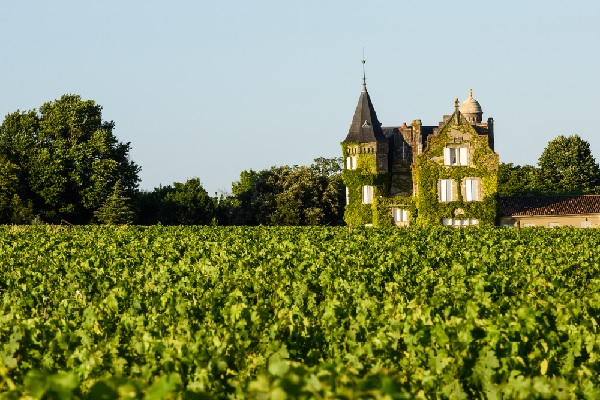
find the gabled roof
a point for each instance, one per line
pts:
(549, 205)
(365, 126)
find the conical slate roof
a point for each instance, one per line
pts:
(365, 126)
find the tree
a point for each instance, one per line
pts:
(67, 159)
(284, 195)
(181, 204)
(514, 180)
(116, 209)
(188, 204)
(567, 167)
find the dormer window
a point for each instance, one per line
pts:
(455, 156)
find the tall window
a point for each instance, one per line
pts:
(446, 190)
(367, 194)
(351, 162)
(455, 156)
(400, 215)
(472, 189)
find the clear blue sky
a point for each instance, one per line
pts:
(210, 88)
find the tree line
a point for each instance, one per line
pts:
(566, 166)
(63, 164)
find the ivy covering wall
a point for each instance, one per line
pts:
(425, 207)
(430, 169)
(365, 174)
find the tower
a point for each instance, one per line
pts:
(366, 155)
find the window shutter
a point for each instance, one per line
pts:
(347, 195)
(443, 190)
(468, 190)
(447, 159)
(462, 158)
(367, 194)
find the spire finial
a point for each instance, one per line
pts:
(364, 74)
(456, 112)
(471, 93)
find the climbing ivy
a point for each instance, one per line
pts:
(365, 174)
(425, 209)
(430, 169)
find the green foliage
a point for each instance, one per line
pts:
(515, 180)
(181, 204)
(264, 312)
(116, 209)
(297, 195)
(365, 174)
(63, 161)
(430, 169)
(567, 167)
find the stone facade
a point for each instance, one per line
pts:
(417, 174)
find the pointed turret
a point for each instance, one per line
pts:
(365, 126)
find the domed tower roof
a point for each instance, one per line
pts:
(471, 109)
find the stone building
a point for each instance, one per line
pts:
(579, 211)
(419, 174)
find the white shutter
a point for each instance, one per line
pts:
(446, 190)
(347, 195)
(447, 159)
(404, 215)
(447, 221)
(462, 157)
(471, 189)
(351, 163)
(468, 190)
(367, 194)
(443, 190)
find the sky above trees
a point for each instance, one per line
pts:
(209, 89)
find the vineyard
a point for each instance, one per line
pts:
(265, 312)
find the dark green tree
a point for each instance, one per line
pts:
(188, 204)
(116, 209)
(181, 204)
(284, 195)
(567, 167)
(515, 180)
(67, 159)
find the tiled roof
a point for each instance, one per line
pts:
(549, 205)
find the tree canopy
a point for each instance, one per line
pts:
(298, 195)
(567, 167)
(514, 180)
(180, 204)
(61, 162)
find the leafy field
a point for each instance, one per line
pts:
(310, 312)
